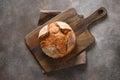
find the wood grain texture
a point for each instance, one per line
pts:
(79, 25)
(46, 15)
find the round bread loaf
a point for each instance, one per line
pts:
(57, 39)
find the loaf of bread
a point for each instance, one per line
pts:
(57, 39)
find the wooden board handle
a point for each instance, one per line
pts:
(98, 14)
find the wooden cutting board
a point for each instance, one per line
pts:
(78, 24)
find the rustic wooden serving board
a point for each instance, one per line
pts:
(78, 24)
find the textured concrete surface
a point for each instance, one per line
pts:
(19, 17)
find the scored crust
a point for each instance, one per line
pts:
(57, 39)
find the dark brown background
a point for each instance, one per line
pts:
(19, 17)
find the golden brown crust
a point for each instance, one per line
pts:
(54, 43)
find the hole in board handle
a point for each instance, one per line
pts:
(100, 11)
